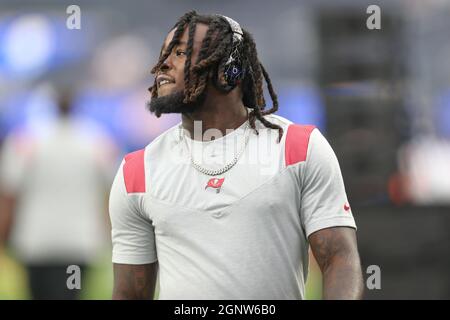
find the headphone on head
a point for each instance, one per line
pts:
(234, 64)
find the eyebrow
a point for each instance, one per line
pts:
(177, 43)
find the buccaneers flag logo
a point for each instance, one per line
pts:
(215, 183)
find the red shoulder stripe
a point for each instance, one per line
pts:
(134, 172)
(297, 140)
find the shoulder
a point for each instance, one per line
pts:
(134, 163)
(278, 120)
(164, 141)
(133, 170)
(129, 185)
(297, 138)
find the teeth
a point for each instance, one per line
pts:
(163, 82)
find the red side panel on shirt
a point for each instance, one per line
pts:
(297, 140)
(134, 172)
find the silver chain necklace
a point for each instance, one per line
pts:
(211, 172)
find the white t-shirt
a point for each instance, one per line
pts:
(60, 177)
(239, 235)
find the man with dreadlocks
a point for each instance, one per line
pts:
(228, 214)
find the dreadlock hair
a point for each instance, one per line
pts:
(211, 60)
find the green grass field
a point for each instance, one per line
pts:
(98, 282)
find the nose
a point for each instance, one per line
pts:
(164, 66)
(167, 64)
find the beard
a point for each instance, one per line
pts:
(173, 103)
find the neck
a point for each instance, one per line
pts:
(219, 111)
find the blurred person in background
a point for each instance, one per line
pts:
(228, 230)
(53, 187)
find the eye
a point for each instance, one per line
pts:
(180, 52)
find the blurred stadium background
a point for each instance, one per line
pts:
(382, 98)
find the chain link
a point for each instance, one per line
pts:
(211, 172)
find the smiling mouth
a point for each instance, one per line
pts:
(164, 82)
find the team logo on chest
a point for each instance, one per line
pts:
(215, 183)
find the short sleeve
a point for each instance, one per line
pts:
(324, 202)
(132, 234)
